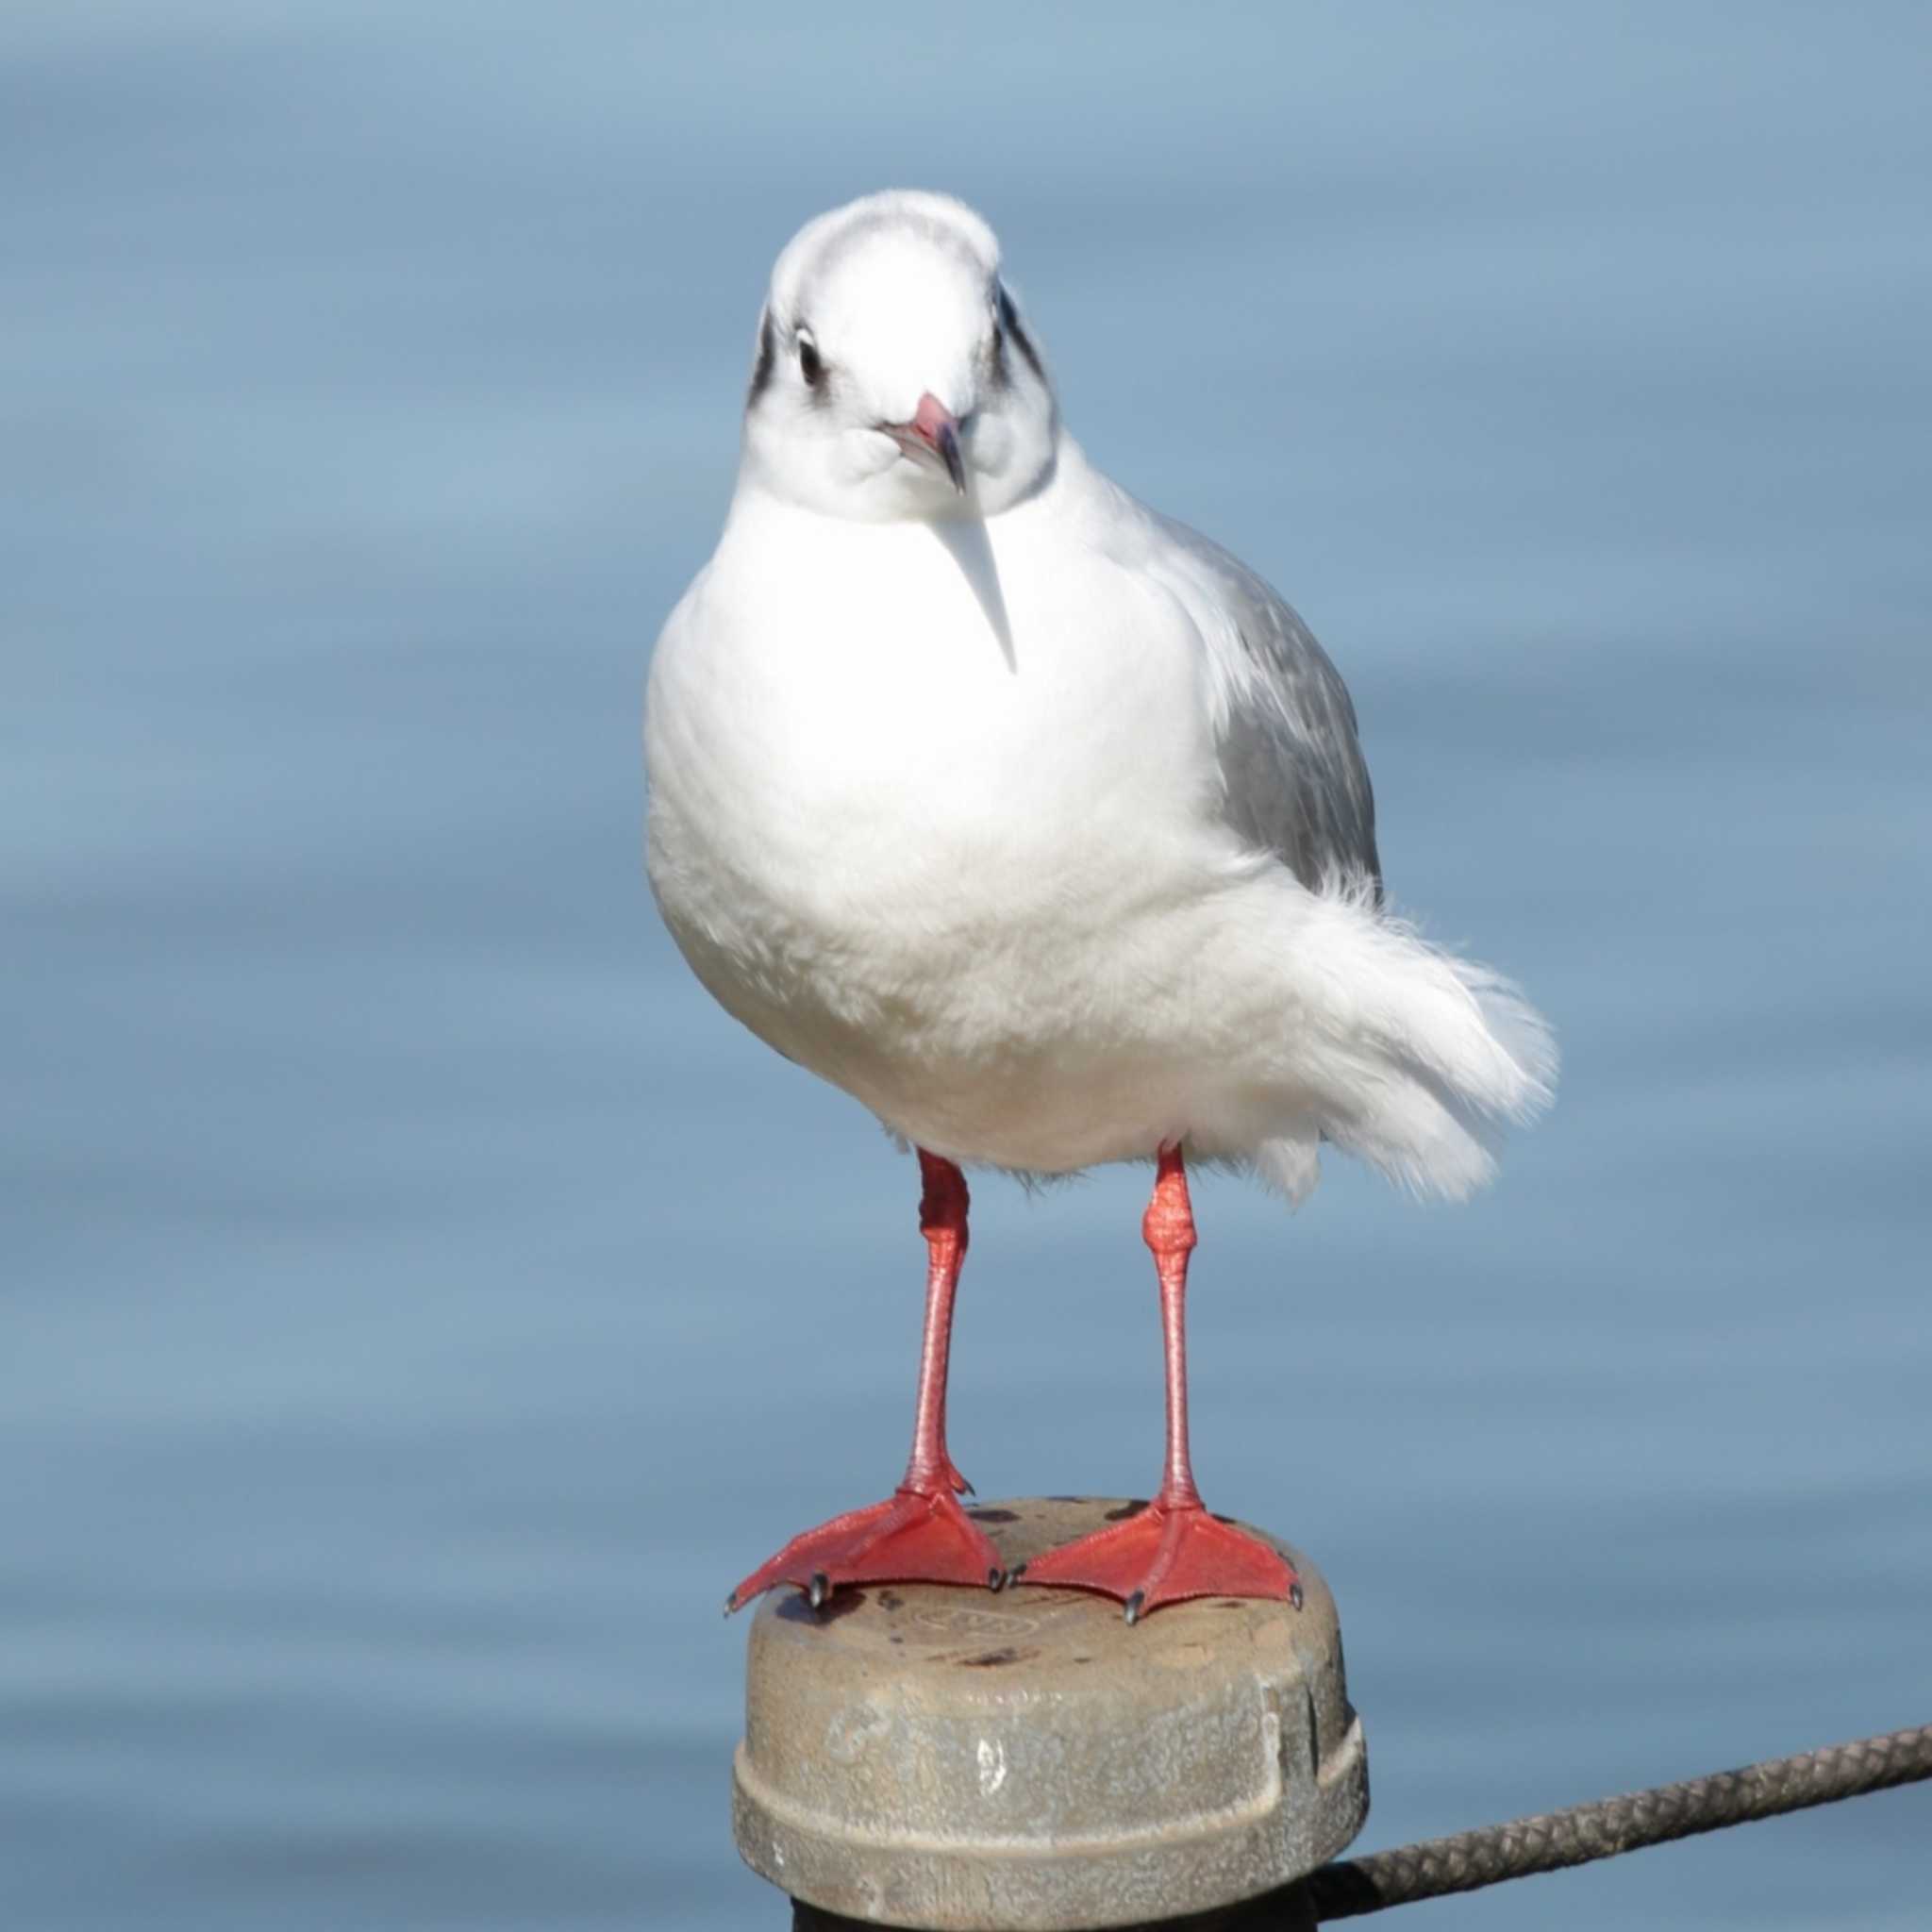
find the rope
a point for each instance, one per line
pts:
(1553, 1840)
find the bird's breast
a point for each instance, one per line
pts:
(887, 777)
(885, 711)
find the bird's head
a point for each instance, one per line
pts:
(894, 376)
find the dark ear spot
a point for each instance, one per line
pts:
(768, 355)
(1009, 327)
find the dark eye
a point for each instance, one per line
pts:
(810, 366)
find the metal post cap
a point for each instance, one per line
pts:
(958, 1761)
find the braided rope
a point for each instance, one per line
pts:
(1576, 1836)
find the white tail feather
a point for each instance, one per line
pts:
(1428, 1056)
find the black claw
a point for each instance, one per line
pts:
(1014, 1575)
(1133, 1606)
(966, 1489)
(1295, 1595)
(995, 1578)
(731, 1602)
(820, 1590)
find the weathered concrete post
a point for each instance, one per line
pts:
(1029, 1762)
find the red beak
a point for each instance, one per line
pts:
(934, 430)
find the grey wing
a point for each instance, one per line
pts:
(1291, 764)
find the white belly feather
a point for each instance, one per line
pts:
(913, 855)
(965, 857)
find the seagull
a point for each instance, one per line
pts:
(1037, 824)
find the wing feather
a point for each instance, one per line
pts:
(1293, 773)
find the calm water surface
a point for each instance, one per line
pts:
(421, 1303)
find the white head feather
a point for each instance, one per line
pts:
(876, 309)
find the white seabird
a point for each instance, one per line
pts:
(1039, 823)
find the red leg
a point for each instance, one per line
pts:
(1172, 1549)
(918, 1534)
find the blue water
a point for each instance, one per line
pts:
(421, 1303)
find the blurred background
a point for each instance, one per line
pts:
(421, 1303)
